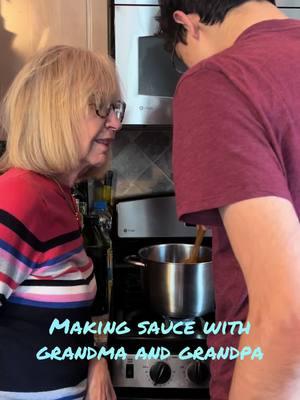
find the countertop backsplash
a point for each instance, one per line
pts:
(142, 163)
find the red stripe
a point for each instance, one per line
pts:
(35, 256)
(61, 249)
(8, 280)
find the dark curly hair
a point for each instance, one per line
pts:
(211, 12)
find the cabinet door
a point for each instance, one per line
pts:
(35, 24)
(29, 25)
(39, 23)
(98, 26)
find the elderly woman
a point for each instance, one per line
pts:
(61, 115)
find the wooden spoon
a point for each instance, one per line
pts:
(194, 256)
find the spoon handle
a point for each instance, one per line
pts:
(199, 237)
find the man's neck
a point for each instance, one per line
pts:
(238, 20)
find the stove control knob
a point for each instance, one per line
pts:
(160, 373)
(198, 372)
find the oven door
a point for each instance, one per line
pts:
(148, 79)
(291, 8)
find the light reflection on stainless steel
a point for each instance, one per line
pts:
(152, 217)
(174, 288)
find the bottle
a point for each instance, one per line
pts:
(102, 212)
(107, 187)
(96, 248)
(80, 194)
(104, 216)
(98, 190)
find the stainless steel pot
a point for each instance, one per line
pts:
(176, 289)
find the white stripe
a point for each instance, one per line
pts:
(74, 276)
(80, 259)
(57, 269)
(52, 290)
(49, 395)
(63, 275)
(5, 290)
(13, 267)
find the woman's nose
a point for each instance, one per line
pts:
(113, 122)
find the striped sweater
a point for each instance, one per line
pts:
(44, 274)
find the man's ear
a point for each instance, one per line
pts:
(189, 21)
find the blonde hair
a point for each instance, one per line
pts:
(42, 109)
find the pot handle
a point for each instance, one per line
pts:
(134, 260)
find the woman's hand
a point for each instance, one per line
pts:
(99, 385)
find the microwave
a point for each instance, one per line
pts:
(148, 79)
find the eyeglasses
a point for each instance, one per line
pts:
(118, 108)
(177, 63)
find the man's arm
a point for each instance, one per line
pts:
(265, 236)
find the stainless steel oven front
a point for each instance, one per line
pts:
(163, 374)
(148, 80)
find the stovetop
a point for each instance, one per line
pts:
(150, 375)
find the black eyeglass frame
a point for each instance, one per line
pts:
(119, 108)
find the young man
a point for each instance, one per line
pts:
(236, 155)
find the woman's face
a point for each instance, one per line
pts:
(97, 135)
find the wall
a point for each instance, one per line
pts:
(142, 163)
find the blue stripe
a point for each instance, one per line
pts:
(30, 264)
(73, 396)
(4, 245)
(63, 257)
(43, 304)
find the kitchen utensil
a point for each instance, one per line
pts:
(194, 256)
(176, 289)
